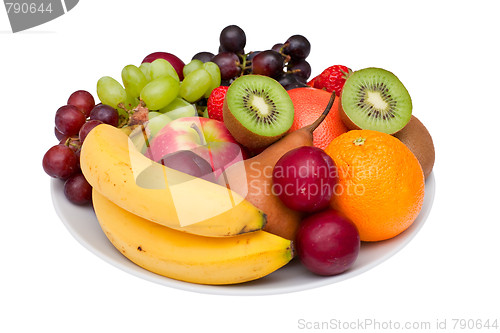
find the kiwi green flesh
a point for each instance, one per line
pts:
(261, 105)
(375, 99)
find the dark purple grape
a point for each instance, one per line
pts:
(252, 54)
(188, 162)
(60, 162)
(78, 190)
(203, 56)
(269, 63)
(327, 243)
(229, 65)
(226, 83)
(297, 47)
(106, 114)
(87, 127)
(277, 47)
(305, 179)
(301, 68)
(232, 38)
(290, 81)
(83, 100)
(69, 120)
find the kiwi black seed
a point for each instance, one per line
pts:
(375, 99)
(257, 111)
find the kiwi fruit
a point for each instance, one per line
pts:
(418, 139)
(257, 111)
(375, 99)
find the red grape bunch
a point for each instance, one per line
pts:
(73, 122)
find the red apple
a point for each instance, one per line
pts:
(177, 63)
(208, 138)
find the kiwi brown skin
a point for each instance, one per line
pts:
(242, 134)
(418, 139)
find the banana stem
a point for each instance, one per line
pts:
(318, 121)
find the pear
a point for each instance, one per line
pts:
(256, 187)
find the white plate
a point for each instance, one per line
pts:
(82, 224)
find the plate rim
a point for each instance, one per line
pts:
(243, 289)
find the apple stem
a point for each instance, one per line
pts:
(197, 129)
(318, 121)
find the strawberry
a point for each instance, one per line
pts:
(215, 102)
(332, 79)
(312, 81)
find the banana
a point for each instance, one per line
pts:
(191, 258)
(115, 168)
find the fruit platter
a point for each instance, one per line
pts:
(238, 173)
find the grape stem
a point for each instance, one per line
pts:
(243, 65)
(318, 121)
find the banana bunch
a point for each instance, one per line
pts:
(174, 224)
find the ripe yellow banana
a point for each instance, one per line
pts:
(115, 168)
(191, 258)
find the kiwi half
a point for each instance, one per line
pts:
(257, 111)
(375, 99)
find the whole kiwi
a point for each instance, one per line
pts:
(418, 139)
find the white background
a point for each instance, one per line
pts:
(446, 53)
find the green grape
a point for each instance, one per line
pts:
(214, 71)
(145, 69)
(175, 104)
(152, 114)
(160, 92)
(191, 66)
(131, 102)
(111, 92)
(182, 112)
(160, 67)
(155, 124)
(195, 85)
(133, 80)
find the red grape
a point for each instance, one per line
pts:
(78, 190)
(305, 178)
(69, 120)
(269, 63)
(59, 135)
(232, 39)
(188, 162)
(83, 100)
(229, 65)
(327, 243)
(87, 127)
(60, 162)
(177, 63)
(106, 114)
(73, 142)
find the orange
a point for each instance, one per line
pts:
(381, 184)
(309, 104)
